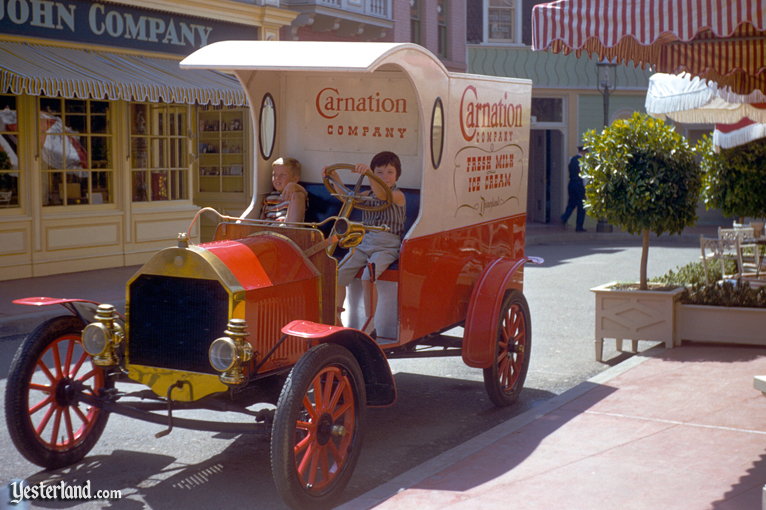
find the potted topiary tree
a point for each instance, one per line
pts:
(734, 180)
(642, 177)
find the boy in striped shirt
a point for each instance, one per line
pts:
(288, 200)
(379, 248)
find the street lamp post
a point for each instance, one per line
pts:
(606, 82)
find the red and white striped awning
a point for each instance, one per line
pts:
(721, 40)
(37, 70)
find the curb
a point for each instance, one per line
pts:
(439, 463)
(569, 237)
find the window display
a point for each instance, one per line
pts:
(9, 161)
(75, 152)
(159, 152)
(221, 146)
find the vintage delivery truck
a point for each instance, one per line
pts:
(246, 322)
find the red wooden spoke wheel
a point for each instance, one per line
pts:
(316, 436)
(504, 380)
(46, 422)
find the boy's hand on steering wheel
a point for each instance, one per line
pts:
(361, 168)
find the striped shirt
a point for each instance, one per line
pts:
(393, 216)
(274, 207)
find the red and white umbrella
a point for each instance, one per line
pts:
(687, 99)
(746, 130)
(722, 40)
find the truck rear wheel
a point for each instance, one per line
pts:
(46, 423)
(317, 432)
(504, 380)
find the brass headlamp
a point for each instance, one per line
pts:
(228, 354)
(101, 337)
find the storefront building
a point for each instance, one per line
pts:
(566, 101)
(438, 25)
(107, 147)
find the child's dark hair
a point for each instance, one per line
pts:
(386, 158)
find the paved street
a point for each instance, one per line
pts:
(441, 402)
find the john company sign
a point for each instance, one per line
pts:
(115, 25)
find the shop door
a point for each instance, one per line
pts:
(547, 182)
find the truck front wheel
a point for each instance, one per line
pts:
(316, 435)
(46, 422)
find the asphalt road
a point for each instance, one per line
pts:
(441, 403)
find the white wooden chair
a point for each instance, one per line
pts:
(719, 250)
(748, 252)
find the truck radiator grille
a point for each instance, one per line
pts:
(173, 321)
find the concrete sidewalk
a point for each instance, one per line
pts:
(673, 429)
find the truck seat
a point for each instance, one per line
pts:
(322, 205)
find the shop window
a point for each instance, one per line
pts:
(76, 152)
(501, 21)
(441, 18)
(9, 160)
(221, 145)
(415, 32)
(547, 109)
(159, 149)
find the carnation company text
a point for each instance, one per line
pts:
(484, 121)
(331, 102)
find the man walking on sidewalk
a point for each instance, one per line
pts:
(576, 191)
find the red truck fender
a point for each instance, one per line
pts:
(378, 380)
(85, 312)
(481, 320)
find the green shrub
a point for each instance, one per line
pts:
(735, 179)
(693, 273)
(725, 294)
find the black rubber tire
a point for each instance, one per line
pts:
(322, 434)
(504, 380)
(71, 429)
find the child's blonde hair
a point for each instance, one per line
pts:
(293, 164)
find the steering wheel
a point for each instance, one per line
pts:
(353, 198)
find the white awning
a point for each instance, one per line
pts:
(72, 73)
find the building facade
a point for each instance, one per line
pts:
(438, 25)
(107, 147)
(566, 101)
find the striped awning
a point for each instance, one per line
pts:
(724, 41)
(73, 73)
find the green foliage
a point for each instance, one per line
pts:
(693, 273)
(734, 179)
(725, 294)
(642, 176)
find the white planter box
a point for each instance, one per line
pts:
(702, 323)
(634, 315)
